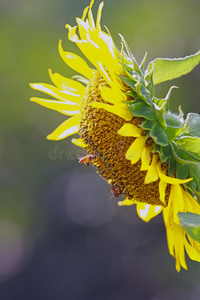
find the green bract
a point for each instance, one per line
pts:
(177, 140)
(191, 223)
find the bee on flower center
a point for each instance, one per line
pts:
(86, 159)
(116, 191)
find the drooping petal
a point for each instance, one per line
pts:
(175, 239)
(193, 249)
(171, 180)
(162, 188)
(179, 246)
(135, 150)
(152, 173)
(191, 205)
(145, 158)
(176, 202)
(67, 128)
(146, 211)
(130, 130)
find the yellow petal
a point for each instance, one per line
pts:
(75, 62)
(126, 202)
(145, 158)
(162, 188)
(66, 84)
(146, 211)
(179, 245)
(130, 130)
(119, 110)
(83, 28)
(98, 22)
(177, 202)
(191, 205)
(135, 150)
(171, 180)
(61, 107)
(152, 173)
(90, 16)
(113, 95)
(79, 142)
(98, 47)
(175, 240)
(169, 231)
(67, 128)
(192, 251)
(85, 13)
(91, 3)
(53, 91)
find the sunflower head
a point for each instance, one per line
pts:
(146, 153)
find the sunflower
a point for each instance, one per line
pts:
(136, 144)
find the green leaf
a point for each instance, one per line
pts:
(166, 153)
(194, 172)
(147, 125)
(191, 144)
(191, 223)
(158, 135)
(173, 132)
(180, 155)
(156, 148)
(181, 171)
(173, 120)
(131, 94)
(159, 111)
(172, 165)
(129, 81)
(168, 69)
(143, 93)
(192, 125)
(141, 109)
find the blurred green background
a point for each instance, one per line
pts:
(62, 235)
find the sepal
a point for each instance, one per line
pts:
(130, 55)
(158, 135)
(140, 109)
(194, 172)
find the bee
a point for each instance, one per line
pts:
(86, 159)
(116, 191)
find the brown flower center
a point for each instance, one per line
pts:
(98, 128)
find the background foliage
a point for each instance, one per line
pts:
(62, 235)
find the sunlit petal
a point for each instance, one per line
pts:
(67, 128)
(75, 62)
